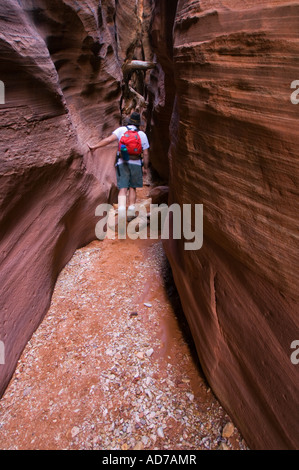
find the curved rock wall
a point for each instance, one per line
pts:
(62, 87)
(234, 149)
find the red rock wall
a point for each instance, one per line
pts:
(62, 87)
(234, 149)
(162, 85)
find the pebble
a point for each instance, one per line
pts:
(145, 440)
(190, 396)
(223, 446)
(149, 352)
(139, 446)
(148, 304)
(148, 381)
(148, 393)
(160, 432)
(228, 430)
(75, 431)
(134, 314)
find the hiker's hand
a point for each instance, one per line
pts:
(91, 148)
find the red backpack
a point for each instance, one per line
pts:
(132, 143)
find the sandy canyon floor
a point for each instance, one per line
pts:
(113, 365)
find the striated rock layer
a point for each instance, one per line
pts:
(62, 87)
(234, 149)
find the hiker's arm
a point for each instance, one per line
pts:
(145, 159)
(103, 142)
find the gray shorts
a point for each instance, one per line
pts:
(129, 176)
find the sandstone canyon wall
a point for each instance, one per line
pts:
(62, 87)
(234, 149)
(223, 132)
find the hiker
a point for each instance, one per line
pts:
(131, 167)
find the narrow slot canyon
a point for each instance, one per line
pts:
(123, 344)
(113, 365)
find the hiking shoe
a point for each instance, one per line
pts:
(131, 211)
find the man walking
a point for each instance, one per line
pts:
(129, 173)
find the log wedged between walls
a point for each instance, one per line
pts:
(234, 149)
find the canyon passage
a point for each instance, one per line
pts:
(214, 83)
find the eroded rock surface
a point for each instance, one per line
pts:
(62, 87)
(234, 148)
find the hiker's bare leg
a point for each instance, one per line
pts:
(123, 192)
(132, 196)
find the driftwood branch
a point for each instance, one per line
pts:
(139, 98)
(134, 100)
(130, 67)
